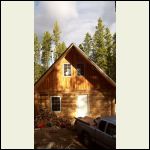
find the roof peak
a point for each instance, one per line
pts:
(86, 57)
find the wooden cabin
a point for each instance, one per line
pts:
(74, 86)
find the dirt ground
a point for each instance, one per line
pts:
(56, 138)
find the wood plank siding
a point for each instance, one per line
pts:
(100, 92)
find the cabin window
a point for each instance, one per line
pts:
(80, 69)
(55, 103)
(67, 69)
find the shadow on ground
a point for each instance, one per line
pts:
(50, 138)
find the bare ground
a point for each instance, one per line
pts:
(56, 138)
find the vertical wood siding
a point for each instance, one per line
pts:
(100, 93)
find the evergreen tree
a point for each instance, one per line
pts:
(81, 46)
(101, 49)
(36, 49)
(37, 71)
(108, 46)
(61, 47)
(113, 69)
(56, 39)
(56, 33)
(46, 47)
(100, 53)
(87, 44)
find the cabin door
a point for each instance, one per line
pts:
(82, 106)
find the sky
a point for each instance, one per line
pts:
(75, 18)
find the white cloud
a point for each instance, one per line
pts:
(76, 29)
(58, 9)
(46, 12)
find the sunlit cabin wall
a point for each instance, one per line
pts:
(100, 92)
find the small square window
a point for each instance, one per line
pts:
(80, 69)
(67, 69)
(55, 103)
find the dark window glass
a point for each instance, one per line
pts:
(67, 69)
(111, 129)
(80, 69)
(102, 125)
(55, 103)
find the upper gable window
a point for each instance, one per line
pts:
(67, 69)
(80, 69)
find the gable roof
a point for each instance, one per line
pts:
(85, 56)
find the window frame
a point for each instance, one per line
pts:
(52, 105)
(83, 69)
(64, 70)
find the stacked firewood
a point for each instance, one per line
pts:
(49, 119)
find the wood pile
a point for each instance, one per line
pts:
(49, 119)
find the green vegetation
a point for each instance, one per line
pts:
(100, 48)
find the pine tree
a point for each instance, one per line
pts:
(88, 44)
(37, 71)
(56, 33)
(81, 46)
(36, 49)
(100, 53)
(108, 47)
(101, 49)
(46, 47)
(113, 69)
(61, 47)
(56, 39)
